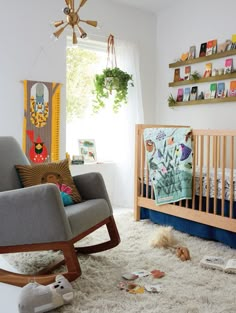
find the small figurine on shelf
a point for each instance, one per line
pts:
(184, 56)
(201, 96)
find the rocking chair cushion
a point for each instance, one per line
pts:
(55, 172)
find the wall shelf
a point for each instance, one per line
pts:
(203, 59)
(203, 80)
(204, 101)
(223, 77)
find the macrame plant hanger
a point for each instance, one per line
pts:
(111, 54)
(113, 81)
(111, 64)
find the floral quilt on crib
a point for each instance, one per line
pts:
(169, 159)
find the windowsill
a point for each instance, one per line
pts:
(94, 163)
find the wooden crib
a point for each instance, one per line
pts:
(213, 200)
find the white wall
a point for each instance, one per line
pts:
(185, 24)
(27, 52)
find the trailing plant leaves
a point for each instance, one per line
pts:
(111, 80)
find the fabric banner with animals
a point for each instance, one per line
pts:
(41, 121)
(169, 159)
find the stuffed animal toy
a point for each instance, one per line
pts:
(183, 253)
(165, 238)
(39, 298)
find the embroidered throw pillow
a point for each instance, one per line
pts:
(57, 173)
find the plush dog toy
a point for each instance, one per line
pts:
(183, 253)
(39, 298)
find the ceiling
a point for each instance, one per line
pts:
(148, 5)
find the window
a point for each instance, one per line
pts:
(113, 132)
(83, 63)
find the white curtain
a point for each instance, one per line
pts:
(131, 114)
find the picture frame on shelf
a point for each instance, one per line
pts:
(192, 53)
(211, 47)
(187, 72)
(177, 75)
(203, 47)
(87, 149)
(193, 93)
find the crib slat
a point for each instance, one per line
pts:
(142, 164)
(201, 151)
(223, 166)
(231, 177)
(215, 171)
(194, 170)
(208, 172)
(137, 173)
(218, 160)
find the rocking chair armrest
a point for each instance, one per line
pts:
(92, 186)
(32, 215)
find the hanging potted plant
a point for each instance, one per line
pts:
(112, 81)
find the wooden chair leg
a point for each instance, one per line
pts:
(69, 257)
(70, 260)
(114, 240)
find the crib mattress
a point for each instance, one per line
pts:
(220, 186)
(210, 180)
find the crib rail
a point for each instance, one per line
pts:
(213, 171)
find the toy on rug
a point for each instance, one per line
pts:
(164, 238)
(183, 253)
(39, 298)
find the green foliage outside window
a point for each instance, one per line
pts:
(80, 70)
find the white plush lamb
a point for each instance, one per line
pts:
(39, 298)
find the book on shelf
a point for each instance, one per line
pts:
(200, 95)
(213, 88)
(187, 72)
(220, 263)
(186, 94)
(224, 46)
(193, 94)
(180, 95)
(192, 53)
(233, 42)
(211, 47)
(177, 75)
(208, 70)
(232, 89)
(228, 66)
(207, 94)
(220, 90)
(203, 48)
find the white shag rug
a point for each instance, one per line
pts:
(185, 288)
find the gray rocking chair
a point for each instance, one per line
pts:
(29, 225)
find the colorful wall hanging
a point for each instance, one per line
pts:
(41, 121)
